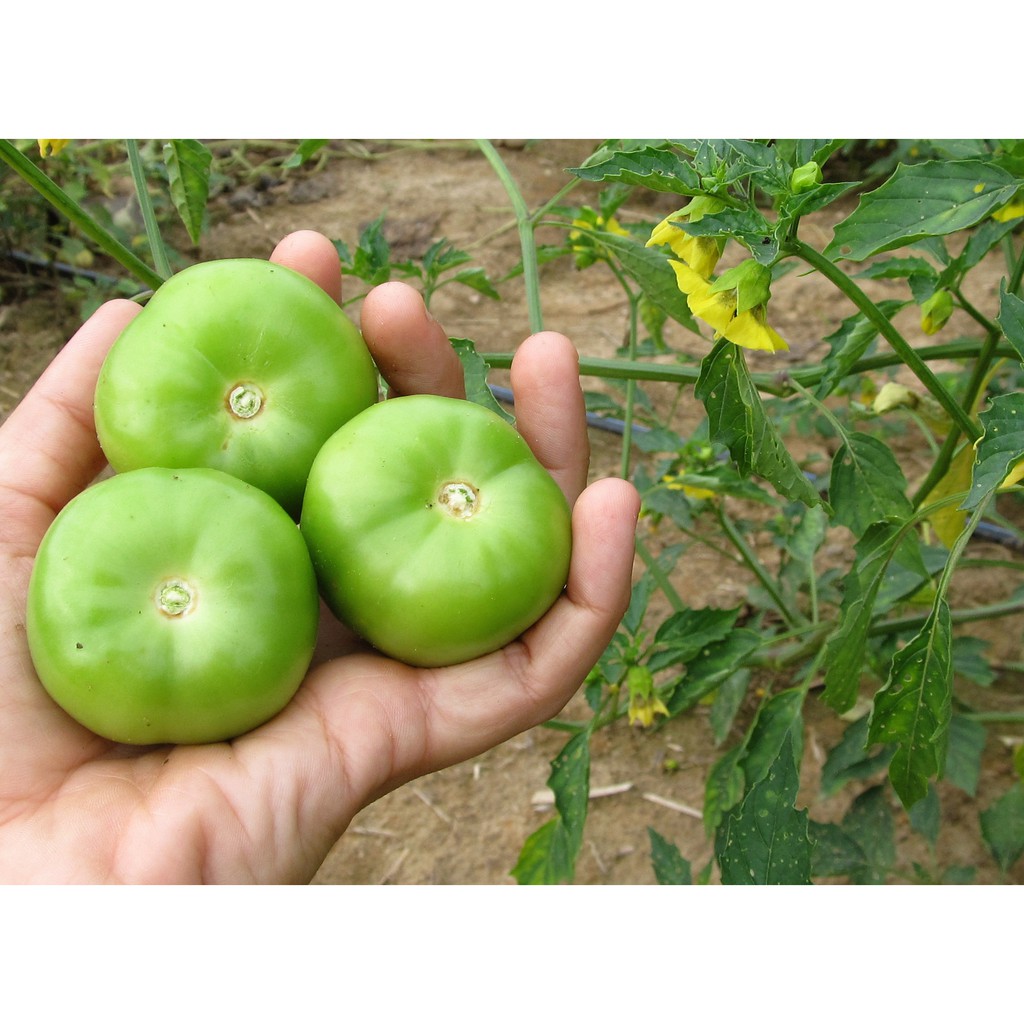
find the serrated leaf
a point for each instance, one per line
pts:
(651, 270)
(737, 419)
(845, 647)
(965, 746)
(711, 667)
(869, 822)
(685, 633)
(999, 448)
(867, 484)
(927, 199)
(851, 759)
(1002, 827)
(188, 173)
(766, 841)
(728, 701)
(475, 370)
(862, 847)
(914, 707)
(1011, 319)
(549, 854)
(660, 170)
(670, 866)
(747, 226)
(779, 720)
(849, 342)
(723, 788)
(545, 858)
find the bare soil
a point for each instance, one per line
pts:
(466, 825)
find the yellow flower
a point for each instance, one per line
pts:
(700, 252)
(1014, 208)
(718, 308)
(51, 147)
(678, 483)
(644, 703)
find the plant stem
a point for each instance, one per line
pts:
(884, 326)
(527, 242)
(755, 566)
(156, 242)
(663, 582)
(85, 223)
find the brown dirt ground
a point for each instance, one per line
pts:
(466, 825)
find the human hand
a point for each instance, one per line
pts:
(268, 806)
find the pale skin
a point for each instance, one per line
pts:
(269, 806)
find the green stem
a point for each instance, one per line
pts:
(68, 208)
(527, 242)
(662, 580)
(884, 326)
(755, 566)
(156, 241)
(769, 383)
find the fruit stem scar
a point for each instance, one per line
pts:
(245, 400)
(175, 598)
(458, 499)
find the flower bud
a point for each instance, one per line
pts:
(936, 311)
(804, 178)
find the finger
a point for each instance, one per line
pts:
(49, 450)
(550, 409)
(388, 723)
(410, 347)
(313, 255)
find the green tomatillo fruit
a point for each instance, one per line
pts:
(240, 365)
(172, 606)
(435, 533)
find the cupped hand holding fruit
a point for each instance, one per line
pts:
(269, 805)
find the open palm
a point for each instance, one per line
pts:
(268, 807)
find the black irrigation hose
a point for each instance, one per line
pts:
(984, 529)
(31, 262)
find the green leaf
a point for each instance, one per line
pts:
(684, 634)
(999, 448)
(779, 717)
(711, 667)
(723, 789)
(1011, 318)
(747, 226)
(766, 841)
(303, 151)
(1002, 827)
(660, 170)
(926, 816)
(963, 755)
(928, 199)
(737, 419)
(549, 854)
(849, 342)
(651, 270)
(670, 866)
(545, 858)
(867, 484)
(914, 708)
(728, 701)
(846, 646)
(188, 172)
(863, 847)
(475, 370)
(850, 760)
